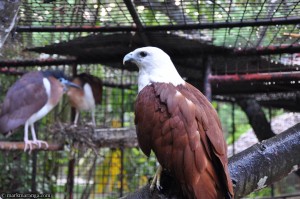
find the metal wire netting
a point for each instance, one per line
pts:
(110, 174)
(167, 15)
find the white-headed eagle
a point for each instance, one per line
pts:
(178, 123)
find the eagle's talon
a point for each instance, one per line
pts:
(156, 180)
(159, 187)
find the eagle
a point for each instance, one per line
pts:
(177, 122)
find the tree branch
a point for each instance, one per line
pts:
(253, 169)
(81, 135)
(266, 162)
(19, 146)
(257, 118)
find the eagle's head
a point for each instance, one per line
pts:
(154, 66)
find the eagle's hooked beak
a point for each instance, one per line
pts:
(128, 58)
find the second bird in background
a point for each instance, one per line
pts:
(86, 98)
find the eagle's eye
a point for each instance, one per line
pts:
(143, 54)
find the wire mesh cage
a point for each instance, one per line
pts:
(253, 46)
(81, 171)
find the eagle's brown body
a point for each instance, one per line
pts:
(178, 123)
(182, 128)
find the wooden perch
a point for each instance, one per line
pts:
(253, 169)
(266, 162)
(19, 146)
(93, 138)
(115, 137)
(99, 137)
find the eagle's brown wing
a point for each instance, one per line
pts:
(215, 138)
(183, 130)
(24, 98)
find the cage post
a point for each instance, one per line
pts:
(122, 99)
(233, 127)
(207, 62)
(33, 173)
(70, 179)
(73, 111)
(71, 163)
(34, 162)
(122, 125)
(272, 185)
(122, 172)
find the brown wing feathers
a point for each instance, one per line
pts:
(177, 126)
(144, 121)
(218, 146)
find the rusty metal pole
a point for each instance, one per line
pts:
(275, 76)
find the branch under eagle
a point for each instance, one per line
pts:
(253, 169)
(262, 164)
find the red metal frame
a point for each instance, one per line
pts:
(275, 76)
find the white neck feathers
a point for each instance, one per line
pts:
(161, 70)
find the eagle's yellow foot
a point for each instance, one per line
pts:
(156, 179)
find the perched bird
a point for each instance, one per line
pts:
(85, 99)
(29, 99)
(178, 123)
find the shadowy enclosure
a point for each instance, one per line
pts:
(243, 55)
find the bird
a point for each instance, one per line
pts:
(85, 99)
(177, 122)
(29, 99)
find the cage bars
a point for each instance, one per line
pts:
(136, 19)
(242, 18)
(215, 25)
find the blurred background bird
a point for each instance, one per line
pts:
(29, 99)
(86, 98)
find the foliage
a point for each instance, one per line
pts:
(261, 193)
(241, 124)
